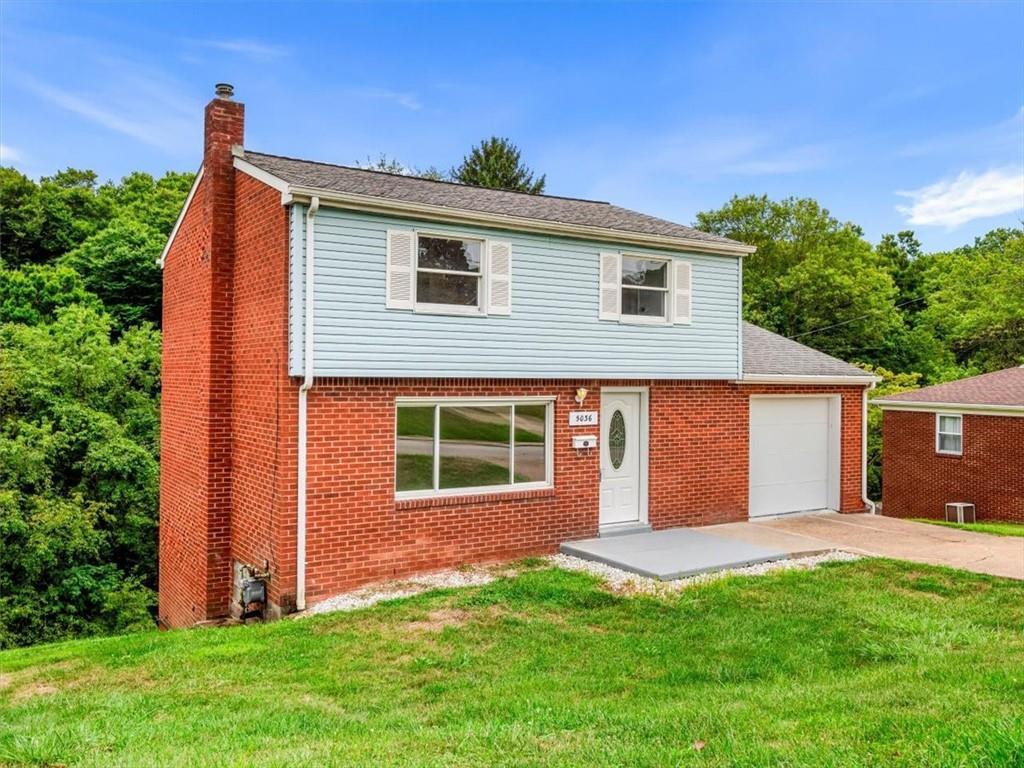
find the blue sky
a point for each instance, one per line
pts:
(892, 116)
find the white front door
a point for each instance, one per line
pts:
(620, 458)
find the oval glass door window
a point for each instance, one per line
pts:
(617, 439)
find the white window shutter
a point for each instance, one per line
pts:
(611, 290)
(401, 268)
(499, 277)
(682, 291)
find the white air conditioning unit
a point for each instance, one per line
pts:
(959, 512)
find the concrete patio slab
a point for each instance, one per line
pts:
(680, 552)
(884, 537)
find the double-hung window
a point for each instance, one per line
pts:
(645, 288)
(636, 288)
(949, 433)
(449, 272)
(455, 446)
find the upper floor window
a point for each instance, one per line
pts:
(449, 271)
(949, 433)
(448, 274)
(645, 289)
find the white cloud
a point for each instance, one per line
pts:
(970, 196)
(9, 154)
(405, 100)
(141, 105)
(715, 148)
(997, 140)
(254, 49)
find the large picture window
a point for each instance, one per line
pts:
(460, 446)
(449, 272)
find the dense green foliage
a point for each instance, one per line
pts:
(871, 663)
(497, 163)
(913, 318)
(80, 381)
(79, 401)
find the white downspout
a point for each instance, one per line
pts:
(864, 454)
(307, 384)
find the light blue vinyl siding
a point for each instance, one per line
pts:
(552, 332)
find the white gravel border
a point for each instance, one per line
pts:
(414, 585)
(617, 580)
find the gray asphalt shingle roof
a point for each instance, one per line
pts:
(410, 189)
(1005, 387)
(765, 352)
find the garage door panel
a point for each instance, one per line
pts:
(789, 467)
(790, 455)
(796, 497)
(794, 411)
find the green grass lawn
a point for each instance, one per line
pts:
(999, 529)
(865, 663)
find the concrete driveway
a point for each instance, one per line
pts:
(884, 537)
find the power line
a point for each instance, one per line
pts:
(855, 319)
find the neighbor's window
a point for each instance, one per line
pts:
(449, 271)
(449, 447)
(645, 288)
(949, 437)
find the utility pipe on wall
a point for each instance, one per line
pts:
(307, 384)
(864, 453)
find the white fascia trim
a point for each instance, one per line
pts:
(181, 217)
(269, 179)
(773, 378)
(978, 409)
(295, 193)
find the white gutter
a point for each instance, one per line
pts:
(864, 455)
(307, 384)
(779, 378)
(979, 409)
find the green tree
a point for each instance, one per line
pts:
(78, 469)
(32, 294)
(497, 163)
(976, 301)
(119, 264)
(812, 278)
(891, 383)
(385, 164)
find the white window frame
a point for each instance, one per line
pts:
(939, 433)
(665, 319)
(454, 402)
(450, 309)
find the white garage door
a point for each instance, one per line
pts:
(792, 457)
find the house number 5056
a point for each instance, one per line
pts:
(582, 418)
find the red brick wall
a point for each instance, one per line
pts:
(357, 532)
(184, 427)
(700, 446)
(264, 411)
(196, 401)
(917, 481)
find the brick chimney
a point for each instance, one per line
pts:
(195, 480)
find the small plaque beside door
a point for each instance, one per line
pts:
(583, 418)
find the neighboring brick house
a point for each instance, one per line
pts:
(962, 441)
(367, 375)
